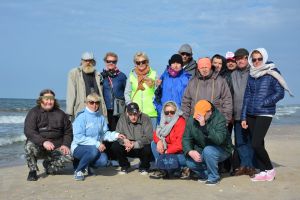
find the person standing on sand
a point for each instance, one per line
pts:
(49, 135)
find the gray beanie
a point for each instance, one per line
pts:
(185, 48)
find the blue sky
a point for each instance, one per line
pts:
(41, 40)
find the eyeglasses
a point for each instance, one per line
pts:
(48, 97)
(94, 102)
(111, 61)
(141, 62)
(172, 112)
(185, 54)
(257, 59)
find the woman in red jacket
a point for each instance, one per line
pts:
(167, 139)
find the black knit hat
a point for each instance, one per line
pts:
(241, 52)
(176, 58)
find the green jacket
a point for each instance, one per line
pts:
(194, 137)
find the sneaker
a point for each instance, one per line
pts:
(124, 170)
(78, 176)
(212, 183)
(202, 179)
(270, 175)
(158, 174)
(262, 176)
(32, 176)
(143, 172)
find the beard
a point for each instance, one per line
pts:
(88, 69)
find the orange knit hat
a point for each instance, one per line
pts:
(201, 108)
(204, 62)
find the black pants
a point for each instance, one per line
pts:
(112, 120)
(258, 128)
(144, 154)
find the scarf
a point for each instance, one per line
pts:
(172, 72)
(165, 126)
(142, 78)
(257, 72)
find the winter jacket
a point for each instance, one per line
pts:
(90, 128)
(140, 132)
(191, 67)
(261, 96)
(214, 132)
(172, 89)
(76, 92)
(212, 88)
(118, 83)
(239, 82)
(174, 139)
(53, 126)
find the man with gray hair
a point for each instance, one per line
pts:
(189, 64)
(82, 81)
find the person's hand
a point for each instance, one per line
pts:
(244, 124)
(121, 136)
(48, 145)
(150, 82)
(102, 147)
(200, 119)
(158, 82)
(160, 147)
(129, 145)
(195, 155)
(64, 149)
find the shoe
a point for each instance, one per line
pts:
(89, 171)
(262, 176)
(185, 173)
(240, 171)
(78, 176)
(32, 176)
(143, 172)
(124, 170)
(202, 180)
(158, 174)
(271, 175)
(212, 183)
(251, 171)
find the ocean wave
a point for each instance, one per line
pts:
(6, 141)
(286, 110)
(12, 119)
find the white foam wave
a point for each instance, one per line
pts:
(286, 110)
(12, 119)
(6, 141)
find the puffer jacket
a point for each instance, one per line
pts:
(261, 96)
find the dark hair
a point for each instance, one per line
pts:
(42, 93)
(223, 69)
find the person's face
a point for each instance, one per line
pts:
(111, 62)
(176, 66)
(141, 63)
(93, 105)
(257, 59)
(217, 63)
(169, 111)
(231, 65)
(133, 117)
(186, 57)
(47, 102)
(205, 70)
(242, 61)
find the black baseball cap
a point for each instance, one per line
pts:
(133, 108)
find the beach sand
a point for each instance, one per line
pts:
(282, 142)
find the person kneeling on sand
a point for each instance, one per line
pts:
(137, 128)
(90, 130)
(206, 142)
(49, 135)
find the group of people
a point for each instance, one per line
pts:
(181, 121)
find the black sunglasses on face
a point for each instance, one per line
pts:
(185, 54)
(141, 62)
(256, 59)
(94, 102)
(169, 112)
(111, 61)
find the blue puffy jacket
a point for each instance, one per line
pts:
(172, 89)
(261, 96)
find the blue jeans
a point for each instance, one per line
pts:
(88, 156)
(180, 156)
(211, 156)
(243, 145)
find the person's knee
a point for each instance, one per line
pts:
(115, 147)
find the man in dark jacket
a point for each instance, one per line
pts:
(206, 142)
(49, 135)
(189, 64)
(137, 128)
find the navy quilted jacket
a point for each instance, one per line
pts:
(261, 96)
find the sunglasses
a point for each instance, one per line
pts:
(185, 54)
(94, 102)
(111, 61)
(48, 97)
(172, 112)
(256, 59)
(141, 62)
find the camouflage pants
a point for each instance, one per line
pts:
(53, 160)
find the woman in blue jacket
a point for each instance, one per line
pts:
(264, 89)
(89, 131)
(172, 84)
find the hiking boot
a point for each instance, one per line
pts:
(32, 176)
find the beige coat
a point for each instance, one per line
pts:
(76, 94)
